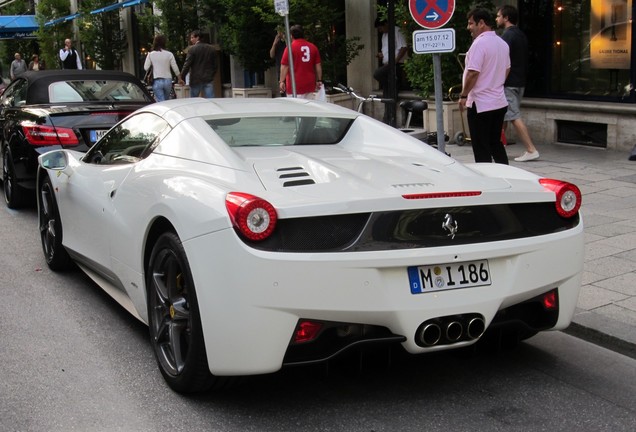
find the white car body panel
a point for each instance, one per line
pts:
(250, 299)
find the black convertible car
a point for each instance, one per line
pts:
(47, 110)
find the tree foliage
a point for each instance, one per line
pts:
(244, 34)
(177, 18)
(248, 28)
(26, 47)
(103, 38)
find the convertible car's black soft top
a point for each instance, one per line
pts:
(39, 81)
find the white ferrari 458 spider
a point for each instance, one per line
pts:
(252, 234)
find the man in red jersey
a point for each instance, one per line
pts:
(307, 66)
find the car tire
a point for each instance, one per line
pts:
(56, 256)
(14, 195)
(174, 320)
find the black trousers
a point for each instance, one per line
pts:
(485, 134)
(381, 75)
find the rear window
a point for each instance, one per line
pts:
(95, 90)
(280, 131)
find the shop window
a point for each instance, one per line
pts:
(591, 48)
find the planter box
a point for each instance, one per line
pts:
(251, 92)
(341, 99)
(452, 119)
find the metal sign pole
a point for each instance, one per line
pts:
(439, 101)
(290, 56)
(434, 42)
(282, 8)
(392, 90)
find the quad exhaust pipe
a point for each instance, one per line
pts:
(476, 328)
(450, 329)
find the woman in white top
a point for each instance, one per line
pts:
(161, 62)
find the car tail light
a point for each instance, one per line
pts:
(306, 331)
(568, 196)
(550, 300)
(442, 195)
(48, 135)
(254, 217)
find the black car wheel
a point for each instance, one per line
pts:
(174, 319)
(55, 254)
(13, 194)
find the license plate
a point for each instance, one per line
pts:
(97, 134)
(441, 277)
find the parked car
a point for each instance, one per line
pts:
(252, 234)
(45, 110)
(4, 82)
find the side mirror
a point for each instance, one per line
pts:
(54, 160)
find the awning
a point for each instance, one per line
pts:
(61, 20)
(115, 6)
(18, 26)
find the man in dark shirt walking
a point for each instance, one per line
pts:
(507, 18)
(201, 64)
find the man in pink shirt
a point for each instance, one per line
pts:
(486, 69)
(307, 66)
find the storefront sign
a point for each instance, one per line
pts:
(611, 32)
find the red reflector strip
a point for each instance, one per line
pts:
(442, 195)
(550, 300)
(307, 331)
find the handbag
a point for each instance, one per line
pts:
(149, 78)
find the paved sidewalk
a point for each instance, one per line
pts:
(606, 312)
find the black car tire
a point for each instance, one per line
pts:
(14, 195)
(174, 319)
(56, 256)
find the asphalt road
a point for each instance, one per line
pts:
(73, 360)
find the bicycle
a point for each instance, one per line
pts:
(361, 99)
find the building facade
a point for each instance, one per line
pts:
(580, 86)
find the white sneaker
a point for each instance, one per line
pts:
(525, 157)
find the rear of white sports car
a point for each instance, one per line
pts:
(280, 232)
(356, 244)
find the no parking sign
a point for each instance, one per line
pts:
(432, 14)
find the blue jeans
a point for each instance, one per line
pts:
(206, 88)
(162, 88)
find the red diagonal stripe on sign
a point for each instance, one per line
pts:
(431, 5)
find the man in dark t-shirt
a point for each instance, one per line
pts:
(507, 17)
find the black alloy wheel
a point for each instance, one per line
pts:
(13, 194)
(55, 254)
(176, 334)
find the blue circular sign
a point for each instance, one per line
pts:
(432, 14)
